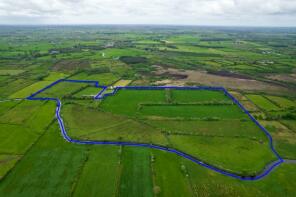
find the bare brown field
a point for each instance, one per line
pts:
(204, 78)
(283, 77)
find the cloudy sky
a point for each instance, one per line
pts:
(178, 12)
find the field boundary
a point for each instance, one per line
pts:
(100, 95)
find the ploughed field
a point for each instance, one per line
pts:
(205, 124)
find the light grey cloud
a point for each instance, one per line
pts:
(193, 12)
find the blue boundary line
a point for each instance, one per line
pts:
(100, 95)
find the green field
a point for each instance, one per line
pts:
(88, 92)
(263, 103)
(256, 65)
(11, 72)
(194, 126)
(27, 91)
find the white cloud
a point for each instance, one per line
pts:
(195, 12)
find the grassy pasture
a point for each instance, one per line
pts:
(102, 78)
(205, 182)
(262, 102)
(16, 139)
(230, 128)
(14, 86)
(100, 173)
(126, 101)
(115, 53)
(192, 96)
(87, 123)
(49, 168)
(240, 155)
(22, 125)
(62, 89)
(53, 76)
(169, 179)
(27, 91)
(88, 92)
(136, 179)
(6, 105)
(291, 124)
(21, 112)
(11, 72)
(281, 101)
(7, 162)
(122, 82)
(194, 111)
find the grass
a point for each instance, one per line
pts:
(126, 101)
(87, 123)
(21, 112)
(169, 180)
(48, 169)
(88, 92)
(281, 101)
(11, 72)
(122, 82)
(240, 155)
(136, 176)
(20, 127)
(290, 124)
(62, 89)
(192, 96)
(7, 105)
(115, 53)
(27, 91)
(194, 111)
(53, 76)
(6, 163)
(230, 128)
(102, 78)
(262, 102)
(100, 172)
(205, 182)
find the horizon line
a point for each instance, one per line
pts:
(158, 25)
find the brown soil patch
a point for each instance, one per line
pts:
(69, 65)
(204, 78)
(283, 77)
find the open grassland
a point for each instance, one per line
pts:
(18, 134)
(205, 182)
(136, 176)
(169, 179)
(88, 123)
(194, 96)
(20, 128)
(193, 111)
(6, 105)
(62, 89)
(130, 115)
(36, 161)
(49, 168)
(262, 102)
(102, 78)
(11, 72)
(100, 172)
(230, 128)
(256, 154)
(7, 161)
(27, 91)
(53, 76)
(122, 83)
(13, 86)
(88, 92)
(281, 101)
(126, 101)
